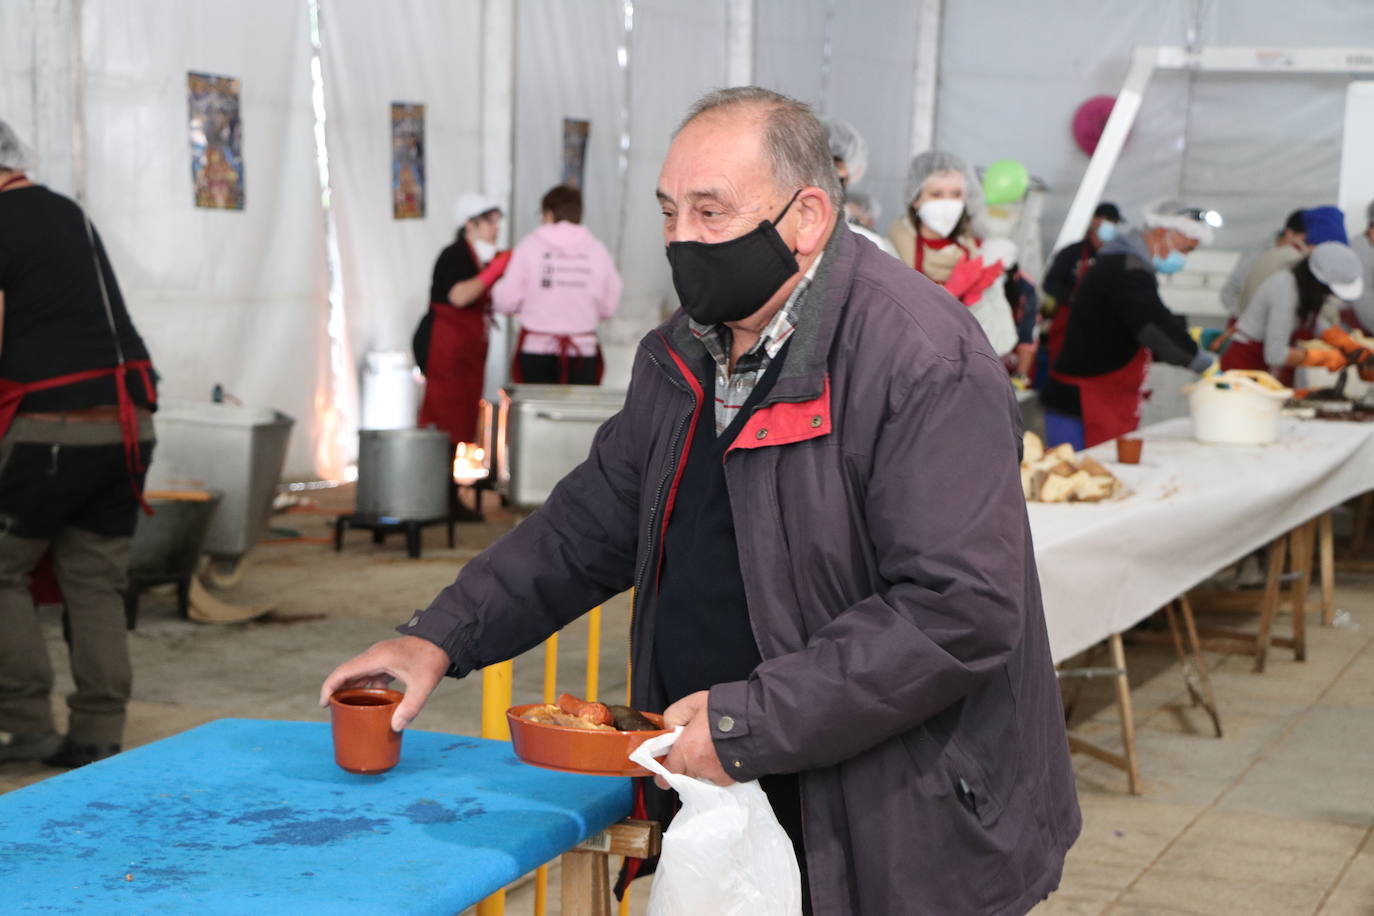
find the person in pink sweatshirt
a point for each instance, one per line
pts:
(561, 282)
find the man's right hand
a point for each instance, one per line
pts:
(415, 662)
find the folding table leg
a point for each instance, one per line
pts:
(1278, 552)
(1123, 702)
(1301, 541)
(586, 885)
(1362, 512)
(1071, 705)
(1195, 676)
(1327, 553)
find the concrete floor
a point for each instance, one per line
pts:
(1276, 817)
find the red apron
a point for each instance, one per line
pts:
(42, 580)
(566, 347)
(1110, 402)
(1059, 319)
(457, 367)
(1249, 354)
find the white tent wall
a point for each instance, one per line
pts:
(1254, 147)
(40, 85)
(677, 54)
(220, 296)
(420, 51)
(852, 61)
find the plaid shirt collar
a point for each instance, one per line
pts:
(716, 337)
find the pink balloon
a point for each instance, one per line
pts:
(1089, 121)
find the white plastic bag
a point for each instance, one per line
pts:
(724, 853)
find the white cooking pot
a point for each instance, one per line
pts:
(1234, 409)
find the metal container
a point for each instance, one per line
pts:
(239, 451)
(167, 544)
(404, 473)
(543, 432)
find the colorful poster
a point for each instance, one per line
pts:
(407, 161)
(575, 135)
(216, 141)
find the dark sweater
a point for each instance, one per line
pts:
(55, 322)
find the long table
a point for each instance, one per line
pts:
(1193, 509)
(247, 816)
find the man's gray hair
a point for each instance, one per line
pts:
(793, 137)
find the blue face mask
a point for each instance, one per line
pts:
(1106, 231)
(1170, 265)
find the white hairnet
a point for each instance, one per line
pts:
(923, 165)
(1194, 222)
(865, 202)
(848, 144)
(14, 153)
(471, 204)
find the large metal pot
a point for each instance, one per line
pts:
(404, 473)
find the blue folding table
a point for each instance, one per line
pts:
(248, 816)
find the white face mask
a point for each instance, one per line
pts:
(941, 216)
(485, 250)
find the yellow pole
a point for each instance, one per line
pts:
(496, 686)
(496, 695)
(625, 903)
(541, 890)
(593, 651)
(550, 668)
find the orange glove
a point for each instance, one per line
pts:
(494, 269)
(1330, 360)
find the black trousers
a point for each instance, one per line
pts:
(542, 369)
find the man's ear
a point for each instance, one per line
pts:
(815, 216)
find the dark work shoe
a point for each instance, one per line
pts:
(72, 754)
(28, 745)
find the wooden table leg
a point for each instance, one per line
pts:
(1363, 510)
(586, 886)
(1301, 540)
(1076, 693)
(1196, 665)
(1327, 553)
(1278, 551)
(1123, 701)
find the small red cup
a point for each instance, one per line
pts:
(361, 721)
(1128, 450)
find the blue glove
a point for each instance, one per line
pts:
(1202, 361)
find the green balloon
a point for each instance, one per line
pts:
(1005, 182)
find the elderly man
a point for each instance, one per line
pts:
(813, 487)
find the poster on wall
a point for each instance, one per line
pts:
(407, 160)
(216, 141)
(575, 135)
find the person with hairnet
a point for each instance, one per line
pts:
(1284, 249)
(1287, 310)
(451, 342)
(77, 394)
(940, 236)
(850, 152)
(1118, 324)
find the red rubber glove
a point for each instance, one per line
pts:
(494, 269)
(964, 274)
(1330, 360)
(982, 278)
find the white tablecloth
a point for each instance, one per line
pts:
(1193, 509)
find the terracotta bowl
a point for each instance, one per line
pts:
(361, 719)
(577, 750)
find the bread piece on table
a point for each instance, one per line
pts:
(1088, 488)
(1063, 451)
(1032, 449)
(1094, 467)
(1056, 489)
(1064, 469)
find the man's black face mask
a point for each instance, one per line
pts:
(729, 281)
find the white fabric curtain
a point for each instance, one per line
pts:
(1253, 147)
(220, 296)
(416, 51)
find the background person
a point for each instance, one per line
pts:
(940, 237)
(1118, 324)
(451, 342)
(76, 401)
(561, 283)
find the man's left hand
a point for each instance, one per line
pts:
(694, 753)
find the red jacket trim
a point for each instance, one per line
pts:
(686, 450)
(784, 423)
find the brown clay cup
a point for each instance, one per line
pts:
(1128, 450)
(361, 719)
